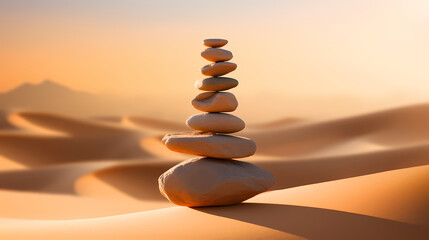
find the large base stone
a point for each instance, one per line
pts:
(212, 182)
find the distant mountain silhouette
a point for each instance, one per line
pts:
(49, 96)
(52, 97)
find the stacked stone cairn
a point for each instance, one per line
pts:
(214, 178)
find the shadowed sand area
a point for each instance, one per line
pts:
(69, 126)
(361, 177)
(54, 139)
(138, 181)
(297, 220)
(288, 173)
(151, 124)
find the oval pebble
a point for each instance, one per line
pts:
(218, 69)
(210, 145)
(216, 122)
(215, 42)
(216, 84)
(216, 54)
(215, 102)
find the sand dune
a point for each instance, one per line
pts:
(137, 180)
(298, 172)
(151, 124)
(55, 139)
(4, 122)
(390, 128)
(400, 195)
(279, 123)
(155, 147)
(8, 164)
(68, 125)
(130, 178)
(42, 150)
(36, 205)
(51, 179)
(270, 215)
(361, 177)
(109, 119)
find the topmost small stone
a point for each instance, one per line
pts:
(215, 42)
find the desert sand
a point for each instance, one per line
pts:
(358, 177)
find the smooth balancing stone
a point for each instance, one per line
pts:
(215, 42)
(213, 182)
(216, 84)
(216, 54)
(210, 145)
(215, 102)
(218, 69)
(216, 122)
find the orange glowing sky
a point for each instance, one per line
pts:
(309, 47)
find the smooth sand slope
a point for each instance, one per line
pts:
(385, 129)
(4, 122)
(151, 124)
(356, 208)
(53, 139)
(362, 177)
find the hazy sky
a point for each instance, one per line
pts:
(284, 47)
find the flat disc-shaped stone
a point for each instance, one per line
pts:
(211, 182)
(216, 122)
(216, 84)
(218, 69)
(215, 42)
(210, 145)
(215, 102)
(216, 54)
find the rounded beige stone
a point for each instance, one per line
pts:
(215, 42)
(210, 145)
(216, 84)
(216, 122)
(216, 54)
(213, 182)
(218, 69)
(215, 102)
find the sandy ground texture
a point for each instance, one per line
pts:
(359, 177)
